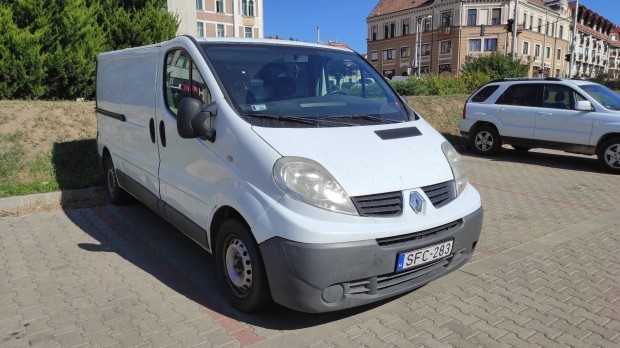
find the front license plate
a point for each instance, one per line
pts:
(423, 256)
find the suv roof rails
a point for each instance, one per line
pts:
(527, 79)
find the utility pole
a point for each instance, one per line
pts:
(514, 31)
(573, 45)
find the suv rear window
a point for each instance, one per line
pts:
(524, 94)
(484, 94)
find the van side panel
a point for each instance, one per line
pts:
(126, 85)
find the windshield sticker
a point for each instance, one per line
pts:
(259, 107)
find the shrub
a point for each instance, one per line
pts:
(496, 66)
(412, 86)
(474, 80)
(445, 85)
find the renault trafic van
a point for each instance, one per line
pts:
(317, 195)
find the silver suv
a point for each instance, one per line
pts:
(571, 115)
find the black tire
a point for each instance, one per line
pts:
(609, 155)
(485, 140)
(521, 148)
(240, 269)
(116, 194)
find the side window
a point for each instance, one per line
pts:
(561, 97)
(181, 81)
(484, 94)
(522, 95)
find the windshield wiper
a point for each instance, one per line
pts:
(285, 118)
(360, 117)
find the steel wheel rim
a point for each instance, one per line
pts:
(484, 141)
(612, 156)
(238, 266)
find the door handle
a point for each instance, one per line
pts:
(162, 133)
(152, 130)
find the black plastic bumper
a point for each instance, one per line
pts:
(328, 277)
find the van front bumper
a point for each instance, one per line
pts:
(334, 276)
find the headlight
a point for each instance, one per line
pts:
(307, 181)
(456, 164)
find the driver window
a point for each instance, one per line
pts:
(181, 81)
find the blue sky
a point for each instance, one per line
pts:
(345, 20)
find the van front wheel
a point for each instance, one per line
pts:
(240, 269)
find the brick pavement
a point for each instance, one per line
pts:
(545, 273)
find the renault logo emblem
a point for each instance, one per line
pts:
(417, 202)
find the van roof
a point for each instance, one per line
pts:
(267, 41)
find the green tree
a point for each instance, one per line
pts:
(496, 66)
(21, 59)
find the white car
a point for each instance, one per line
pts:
(314, 198)
(571, 115)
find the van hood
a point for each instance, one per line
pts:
(362, 161)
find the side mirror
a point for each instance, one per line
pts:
(583, 105)
(194, 120)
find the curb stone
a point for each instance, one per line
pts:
(68, 197)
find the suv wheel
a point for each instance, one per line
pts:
(485, 140)
(609, 155)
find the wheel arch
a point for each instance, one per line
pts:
(479, 124)
(222, 214)
(604, 139)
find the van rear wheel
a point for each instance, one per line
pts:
(115, 192)
(240, 269)
(609, 155)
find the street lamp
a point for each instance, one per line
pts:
(418, 43)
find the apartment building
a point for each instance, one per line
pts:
(452, 30)
(219, 18)
(597, 49)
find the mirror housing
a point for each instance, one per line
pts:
(194, 120)
(583, 105)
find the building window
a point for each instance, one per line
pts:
(547, 28)
(200, 29)
(374, 56)
(524, 20)
(496, 16)
(388, 54)
(406, 29)
(537, 51)
(558, 54)
(475, 45)
(428, 23)
(375, 31)
(392, 29)
(199, 5)
(547, 52)
(490, 45)
(540, 25)
(472, 17)
(405, 52)
(526, 48)
(446, 19)
(562, 32)
(248, 32)
(531, 22)
(220, 30)
(251, 8)
(425, 49)
(445, 47)
(386, 31)
(219, 6)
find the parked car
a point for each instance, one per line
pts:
(314, 198)
(571, 115)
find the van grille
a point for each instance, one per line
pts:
(405, 238)
(382, 284)
(384, 204)
(441, 194)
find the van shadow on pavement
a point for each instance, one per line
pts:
(147, 241)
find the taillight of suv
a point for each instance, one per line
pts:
(465, 110)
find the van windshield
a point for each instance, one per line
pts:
(292, 86)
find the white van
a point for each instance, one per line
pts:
(317, 197)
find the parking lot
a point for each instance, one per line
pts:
(545, 273)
